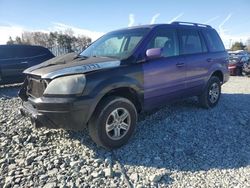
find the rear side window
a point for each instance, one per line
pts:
(190, 42)
(214, 42)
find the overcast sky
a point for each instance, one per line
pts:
(94, 18)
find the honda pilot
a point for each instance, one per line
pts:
(123, 73)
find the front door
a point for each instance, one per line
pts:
(164, 78)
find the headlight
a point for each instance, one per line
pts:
(66, 85)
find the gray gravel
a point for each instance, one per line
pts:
(180, 145)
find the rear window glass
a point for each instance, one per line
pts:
(214, 42)
(190, 42)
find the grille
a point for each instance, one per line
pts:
(36, 87)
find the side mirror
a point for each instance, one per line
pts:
(154, 53)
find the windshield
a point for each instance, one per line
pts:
(118, 44)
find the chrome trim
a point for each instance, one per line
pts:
(81, 69)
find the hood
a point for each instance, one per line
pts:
(70, 64)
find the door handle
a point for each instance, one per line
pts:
(210, 60)
(180, 64)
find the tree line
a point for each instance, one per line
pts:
(57, 42)
(241, 46)
(64, 42)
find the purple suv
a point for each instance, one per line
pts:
(122, 74)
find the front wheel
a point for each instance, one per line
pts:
(113, 122)
(211, 94)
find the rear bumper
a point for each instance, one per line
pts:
(66, 113)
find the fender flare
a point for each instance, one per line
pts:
(110, 84)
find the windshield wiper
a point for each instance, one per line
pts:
(114, 57)
(81, 56)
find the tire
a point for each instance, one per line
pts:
(211, 94)
(106, 122)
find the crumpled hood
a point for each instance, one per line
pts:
(70, 64)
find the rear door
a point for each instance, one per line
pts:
(197, 59)
(164, 78)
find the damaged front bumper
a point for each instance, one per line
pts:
(66, 113)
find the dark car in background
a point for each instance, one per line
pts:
(237, 59)
(14, 59)
(246, 68)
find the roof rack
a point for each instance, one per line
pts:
(191, 23)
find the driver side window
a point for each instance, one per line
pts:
(166, 39)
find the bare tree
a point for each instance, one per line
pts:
(59, 42)
(10, 41)
(238, 46)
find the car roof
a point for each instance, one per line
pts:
(176, 24)
(20, 46)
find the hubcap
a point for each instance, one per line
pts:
(118, 123)
(214, 92)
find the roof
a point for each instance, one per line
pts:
(20, 45)
(181, 24)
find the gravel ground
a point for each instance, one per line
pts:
(180, 145)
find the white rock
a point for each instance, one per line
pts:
(50, 185)
(95, 174)
(52, 172)
(107, 172)
(155, 177)
(134, 177)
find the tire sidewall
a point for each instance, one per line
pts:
(102, 118)
(210, 83)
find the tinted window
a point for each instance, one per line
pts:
(214, 42)
(190, 42)
(167, 40)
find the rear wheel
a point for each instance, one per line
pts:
(211, 94)
(113, 122)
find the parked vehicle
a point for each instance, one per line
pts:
(236, 61)
(122, 74)
(14, 59)
(246, 68)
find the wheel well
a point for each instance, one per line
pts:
(127, 93)
(219, 75)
